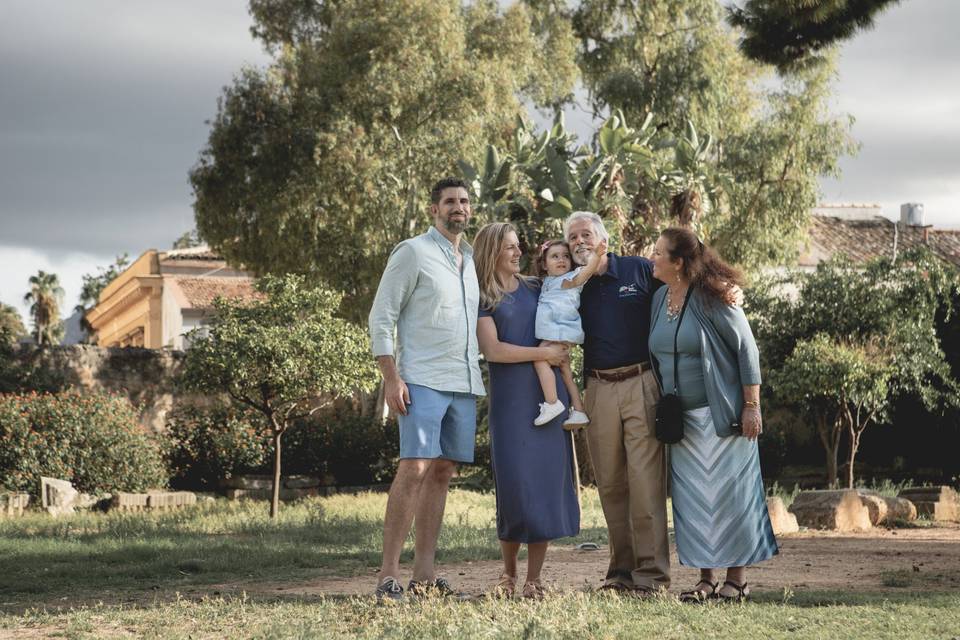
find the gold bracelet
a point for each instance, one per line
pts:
(752, 403)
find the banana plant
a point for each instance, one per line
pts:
(695, 184)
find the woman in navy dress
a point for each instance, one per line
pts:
(532, 465)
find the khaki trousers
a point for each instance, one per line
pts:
(630, 467)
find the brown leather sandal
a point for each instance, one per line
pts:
(506, 587)
(699, 595)
(533, 590)
(742, 595)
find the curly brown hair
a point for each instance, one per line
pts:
(702, 266)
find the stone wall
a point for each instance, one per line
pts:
(145, 376)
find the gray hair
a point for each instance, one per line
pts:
(596, 220)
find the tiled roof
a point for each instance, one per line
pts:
(200, 292)
(863, 240)
(201, 252)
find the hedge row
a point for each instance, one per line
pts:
(93, 440)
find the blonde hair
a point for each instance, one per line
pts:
(486, 249)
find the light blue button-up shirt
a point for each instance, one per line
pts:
(432, 305)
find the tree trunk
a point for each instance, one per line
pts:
(275, 500)
(854, 446)
(831, 447)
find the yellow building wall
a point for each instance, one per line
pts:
(129, 311)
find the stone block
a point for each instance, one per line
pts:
(130, 501)
(248, 482)
(267, 494)
(876, 507)
(782, 520)
(937, 503)
(900, 509)
(837, 510)
(300, 482)
(12, 504)
(170, 499)
(57, 497)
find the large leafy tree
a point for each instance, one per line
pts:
(322, 162)
(788, 33)
(44, 298)
(875, 322)
(676, 62)
(283, 355)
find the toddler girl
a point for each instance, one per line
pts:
(558, 320)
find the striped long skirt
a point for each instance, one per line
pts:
(720, 513)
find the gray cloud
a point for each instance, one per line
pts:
(103, 113)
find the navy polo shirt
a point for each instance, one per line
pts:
(615, 313)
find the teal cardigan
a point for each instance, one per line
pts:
(730, 356)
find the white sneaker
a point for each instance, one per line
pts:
(575, 420)
(548, 412)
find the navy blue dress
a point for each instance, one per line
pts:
(532, 466)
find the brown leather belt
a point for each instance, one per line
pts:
(619, 376)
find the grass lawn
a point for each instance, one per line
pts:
(155, 575)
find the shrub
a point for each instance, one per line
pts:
(347, 448)
(206, 445)
(92, 439)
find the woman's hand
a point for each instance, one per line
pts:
(555, 352)
(752, 422)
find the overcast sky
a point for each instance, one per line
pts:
(103, 107)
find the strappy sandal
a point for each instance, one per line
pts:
(533, 590)
(698, 595)
(742, 595)
(507, 586)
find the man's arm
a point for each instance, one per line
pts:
(395, 392)
(396, 286)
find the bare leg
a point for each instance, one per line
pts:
(401, 506)
(567, 373)
(536, 554)
(430, 506)
(548, 382)
(736, 575)
(509, 551)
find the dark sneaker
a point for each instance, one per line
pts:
(389, 589)
(439, 588)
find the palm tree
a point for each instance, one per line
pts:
(44, 298)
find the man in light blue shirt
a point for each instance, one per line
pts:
(429, 296)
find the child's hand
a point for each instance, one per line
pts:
(593, 259)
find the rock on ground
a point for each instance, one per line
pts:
(837, 510)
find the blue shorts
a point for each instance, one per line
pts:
(438, 424)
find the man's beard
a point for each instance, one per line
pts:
(455, 226)
(578, 257)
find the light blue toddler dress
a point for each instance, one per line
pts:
(558, 310)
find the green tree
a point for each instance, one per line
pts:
(677, 61)
(44, 299)
(843, 388)
(792, 33)
(322, 162)
(892, 305)
(282, 355)
(11, 324)
(188, 240)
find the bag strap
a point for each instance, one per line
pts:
(676, 356)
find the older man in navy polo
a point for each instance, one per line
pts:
(620, 398)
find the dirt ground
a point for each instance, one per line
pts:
(918, 559)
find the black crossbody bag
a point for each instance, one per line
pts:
(669, 424)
